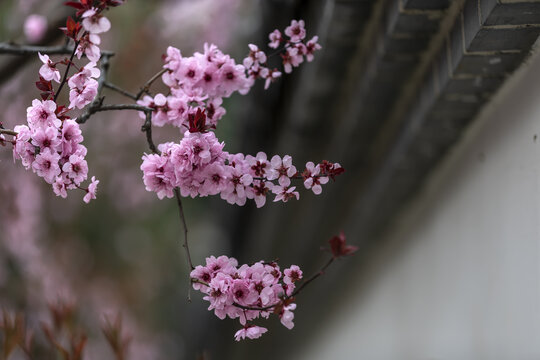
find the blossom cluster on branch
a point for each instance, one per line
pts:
(258, 290)
(50, 144)
(197, 165)
(241, 292)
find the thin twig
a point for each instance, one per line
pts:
(146, 86)
(295, 292)
(16, 49)
(316, 275)
(8, 132)
(185, 245)
(119, 90)
(95, 109)
(147, 128)
(66, 72)
(183, 219)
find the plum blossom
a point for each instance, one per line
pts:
(95, 23)
(42, 114)
(92, 190)
(275, 39)
(89, 46)
(48, 70)
(287, 316)
(46, 165)
(296, 31)
(250, 331)
(246, 292)
(312, 180)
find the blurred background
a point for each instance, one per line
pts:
(431, 106)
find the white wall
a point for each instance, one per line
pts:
(459, 277)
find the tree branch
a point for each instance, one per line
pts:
(99, 107)
(16, 49)
(146, 86)
(119, 90)
(8, 132)
(183, 219)
(67, 71)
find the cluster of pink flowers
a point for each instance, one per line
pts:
(52, 148)
(201, 81)
(198, 166)
(295, 49)
(50, 144)
(247, 292)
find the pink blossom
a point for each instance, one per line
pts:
(296, 31)
(292, 274)
(203, 274)
(35, 27)
(270, 77)
(260, 189)
(46, 138)
(81, 79)
(42, 114)
(285, 193)
(249, 331)
(241, 292)
(48, 70)
(60, 186)
(275, 39)
(71, 137)
(289, 58)
(287, 316)
(255, 57)
(79, 98)
(89, 46)
(95, 23)
(312, 46)
(46, 165)
(23, 148)
(282, 170)
(92, 190)
(76, 168)
(156, 177)
(312, 180)
(215, 175)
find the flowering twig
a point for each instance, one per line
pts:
(64, 79)
(313, 277)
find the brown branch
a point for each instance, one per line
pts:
(295, 292)
(8, 132)
(183, 219)
(98, 108)
(119, 90)
(316, 275)
(16, 49)
(147, 128)
(64, 79)
(146, 86)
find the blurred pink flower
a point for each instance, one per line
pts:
(35, 27)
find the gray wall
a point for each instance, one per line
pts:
(458, 277)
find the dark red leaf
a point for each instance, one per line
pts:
(43, 84)
(339, 246)
(74, 4)
(197, 122)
